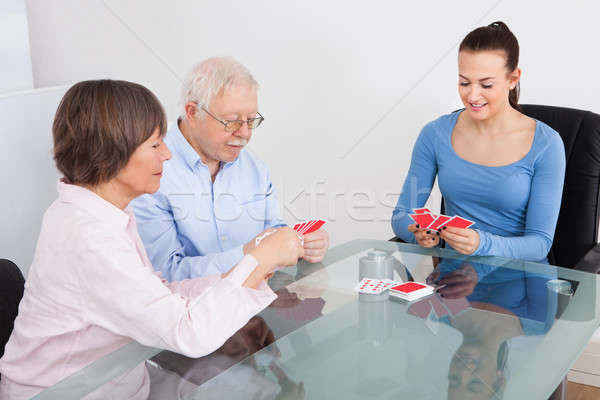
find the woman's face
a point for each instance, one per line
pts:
(143, 171)
(484, 83)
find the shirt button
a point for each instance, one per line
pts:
(223, 238)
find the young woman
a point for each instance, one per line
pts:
(495, 166)
(91, 288)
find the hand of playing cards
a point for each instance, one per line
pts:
(306, 227)
(427, 220)
(302, 228)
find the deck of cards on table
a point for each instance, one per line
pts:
(428, 220)
(410, 291)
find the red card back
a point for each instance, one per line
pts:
(459, 222)
(440, 220)
(408, 287)
(421, 210)
(315, 226)
(424, 220)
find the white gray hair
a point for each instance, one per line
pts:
(209, 77)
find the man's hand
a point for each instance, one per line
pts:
(315, 245)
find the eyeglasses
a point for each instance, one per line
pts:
(232, 126)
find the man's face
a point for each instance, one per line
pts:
(211, 140)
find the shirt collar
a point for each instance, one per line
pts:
(188, 153)
(93, 204)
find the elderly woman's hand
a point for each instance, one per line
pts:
(281, 248)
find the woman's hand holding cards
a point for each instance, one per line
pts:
(454, 230)
(465, 241)
(423, 238)
(281, 248)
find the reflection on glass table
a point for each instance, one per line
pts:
(495, 329)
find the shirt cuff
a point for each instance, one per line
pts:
(483, 239)
(278, 225)
(242, 270)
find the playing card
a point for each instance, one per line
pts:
(439, 222)
(410, 287)
(422, 211)
(371, 286)
(459, 222)
(374, 286)
(411, 290)
(308, 226)
(424, 220)
(304, 227)
(316, 225)
(299, 226)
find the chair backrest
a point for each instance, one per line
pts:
(577, 228)
(12, 285)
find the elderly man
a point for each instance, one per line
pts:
(215, 198)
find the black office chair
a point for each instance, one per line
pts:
(575, 239)
(12, 285)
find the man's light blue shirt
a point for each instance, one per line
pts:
(193, 227)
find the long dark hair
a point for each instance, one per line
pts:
(496, 36)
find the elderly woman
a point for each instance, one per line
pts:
(91, 288)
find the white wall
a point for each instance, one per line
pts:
(15, 67)
(27, 173)
(346, 85)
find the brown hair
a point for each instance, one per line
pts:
(99, 124)
(496, 36)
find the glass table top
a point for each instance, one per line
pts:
(499, 329)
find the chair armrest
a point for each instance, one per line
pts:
(591, 261)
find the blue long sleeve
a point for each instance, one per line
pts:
(515, 207)
(542, 211)
(418, 183)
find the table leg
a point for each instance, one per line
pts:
(561, 391)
